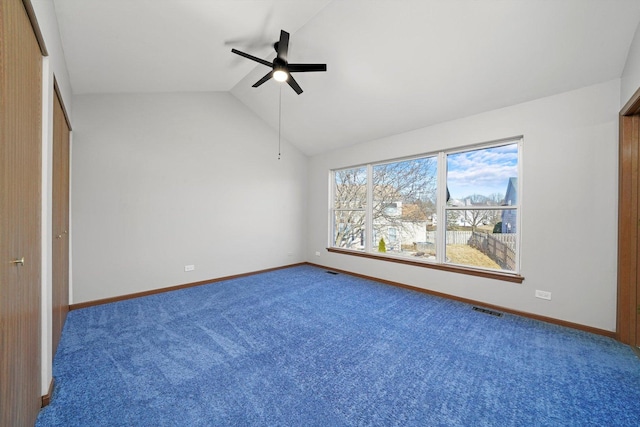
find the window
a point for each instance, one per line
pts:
(472, 193)
(404, 195)
(350, 201)
(481, 212)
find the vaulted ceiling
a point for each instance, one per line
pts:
(393, 65)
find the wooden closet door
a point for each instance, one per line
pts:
(628, 316)
(60, 226)
(20, 207)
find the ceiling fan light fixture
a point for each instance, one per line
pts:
(280, 67)
(280, 75)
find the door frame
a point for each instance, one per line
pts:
(628, 310)
(60, 254)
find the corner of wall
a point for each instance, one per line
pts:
(630, 79)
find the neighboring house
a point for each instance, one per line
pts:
(388, 225)
(403, 224)
(509, 224)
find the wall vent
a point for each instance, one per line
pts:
(487, 311)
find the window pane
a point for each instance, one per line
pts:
(351, 188)
(348, 231)
(487, 245)
(404, 207)
(483, 177)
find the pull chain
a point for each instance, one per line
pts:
(280, 124)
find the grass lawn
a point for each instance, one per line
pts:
(466, 255)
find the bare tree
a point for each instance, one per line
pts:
(472, 217)
(403, 193)
(350, 203)
(477, 217)
(495, 199)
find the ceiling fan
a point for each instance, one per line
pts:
(281, 69)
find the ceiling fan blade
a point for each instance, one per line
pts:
(301, 68)
(283, 45)
(262, 80)
(253, 58)
(294, 84)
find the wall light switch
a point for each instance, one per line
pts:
(189, 267)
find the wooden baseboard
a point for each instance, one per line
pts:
(552, 320)
(172, 288)
(46, 399)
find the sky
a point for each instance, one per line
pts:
(484, 171)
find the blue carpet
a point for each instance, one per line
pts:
(300, 347)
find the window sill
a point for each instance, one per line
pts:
(514, 278)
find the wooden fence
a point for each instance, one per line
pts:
(453, 237)
(499, 247)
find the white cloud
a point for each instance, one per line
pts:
(483, 171)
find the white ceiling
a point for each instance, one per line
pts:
(393, 65)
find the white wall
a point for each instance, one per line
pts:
(630, 81)
(161, 181)
(569, 204)
(48, 23)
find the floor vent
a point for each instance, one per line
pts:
(332, 272)
(487, 311)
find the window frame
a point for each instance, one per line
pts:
(440, 262)
(364, 209)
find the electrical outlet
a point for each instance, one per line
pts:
(543, 294)
(317, 253)
(189, 267)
